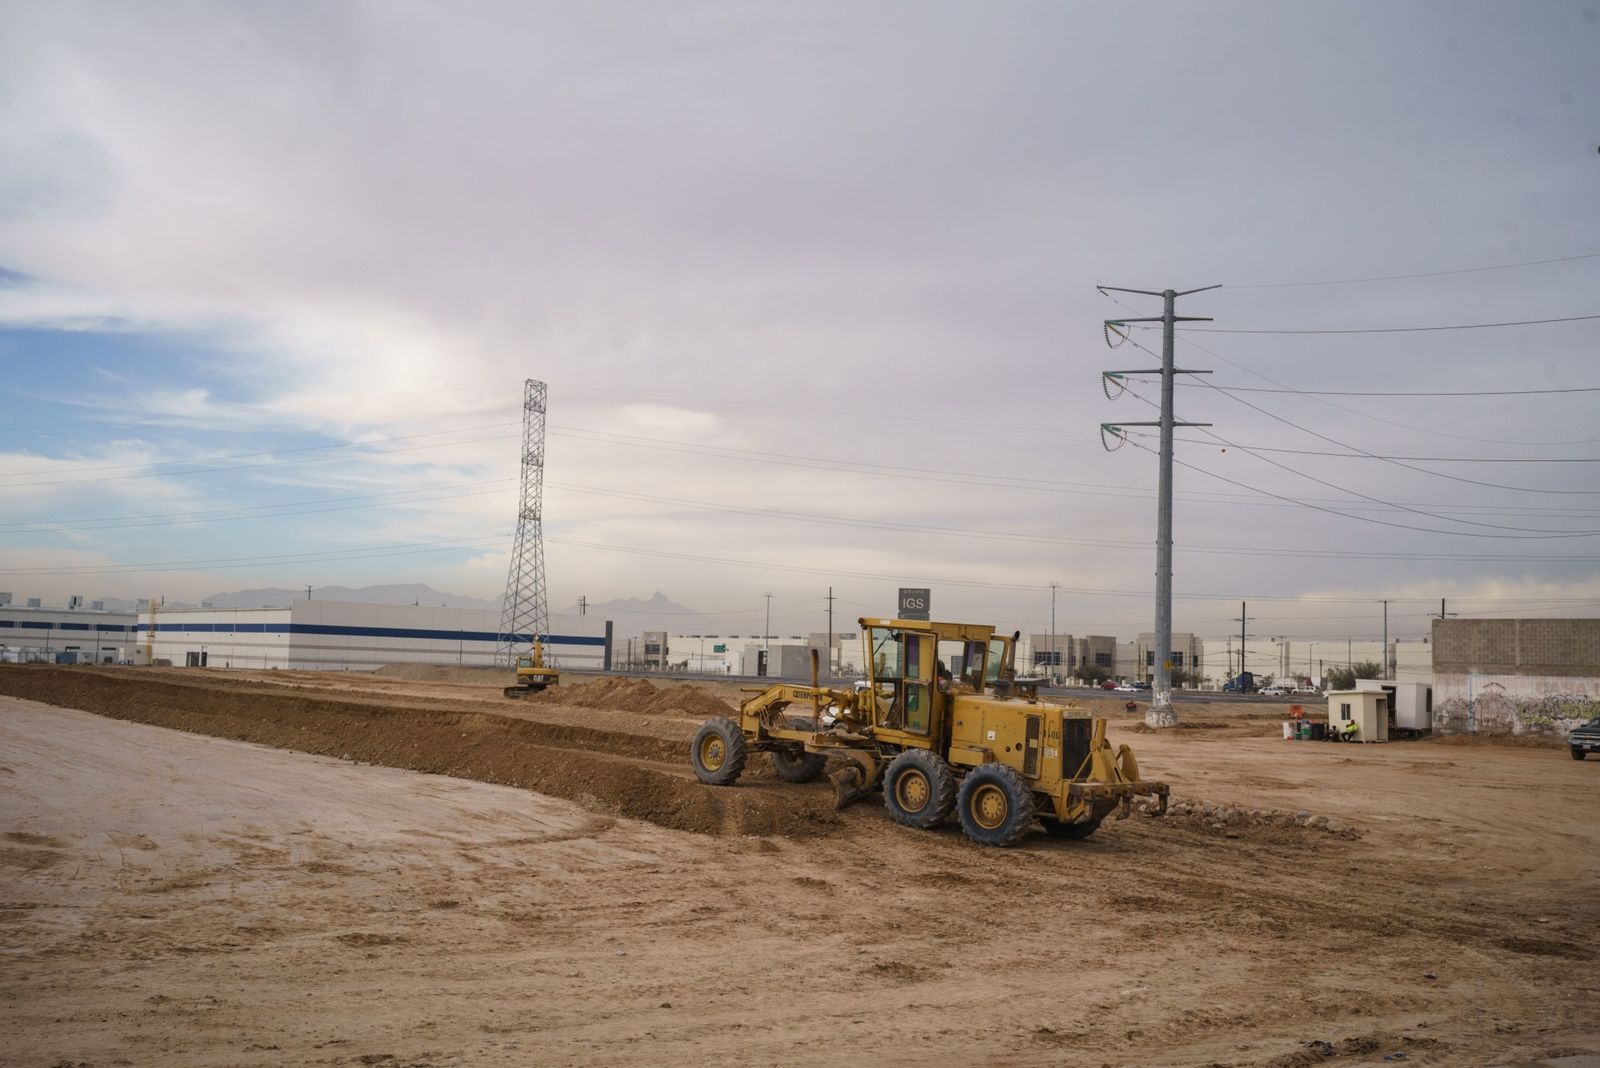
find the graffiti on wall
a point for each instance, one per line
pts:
(1494, 711)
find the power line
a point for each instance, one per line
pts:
(1376, 456)
(1397, 329)
(874, 524)
(1369, 497)
(1385, 421)
(966, 583)
(1361, 518)
(1419, 459)
(1420, 274)
(1401, 463)
(1418, 393)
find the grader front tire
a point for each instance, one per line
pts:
(996, 805)
(718, 752)
(919, 789)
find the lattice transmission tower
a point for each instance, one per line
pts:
(525, 615)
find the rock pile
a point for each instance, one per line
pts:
(1218, 817)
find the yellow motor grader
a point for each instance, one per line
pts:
(971, 739)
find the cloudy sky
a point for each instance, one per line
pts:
(814, 289)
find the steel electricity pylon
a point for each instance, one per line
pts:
(1161, 713)
(525, 614)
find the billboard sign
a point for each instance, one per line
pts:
(913, 604)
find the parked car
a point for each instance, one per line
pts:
(1275, 691)
(1108, 685)
(1126, 687)
(1585, 739)
(1308, 691)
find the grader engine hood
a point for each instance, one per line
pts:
(1024, 735)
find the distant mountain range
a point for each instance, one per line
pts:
(402, 593)
(630, 616)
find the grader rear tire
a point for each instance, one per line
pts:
(718, 752)
(996, 805)
(919, 789)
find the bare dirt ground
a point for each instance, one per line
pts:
(547, 884)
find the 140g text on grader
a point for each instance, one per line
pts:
(975, 743)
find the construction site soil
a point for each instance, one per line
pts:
(193, 898)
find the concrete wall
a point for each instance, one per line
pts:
(1517, 676)
(1556, 647)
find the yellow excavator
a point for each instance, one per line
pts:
(532, 674)
(975, 743)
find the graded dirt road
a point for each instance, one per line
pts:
(179, 898)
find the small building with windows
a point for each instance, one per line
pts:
(1367, 709)
(1186, 655)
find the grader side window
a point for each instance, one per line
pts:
(886, 654)
(973, 661)
(997, 656)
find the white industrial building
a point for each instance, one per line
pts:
(78, 633)
(343, 636)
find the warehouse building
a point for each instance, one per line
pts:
(343, 636)
(77, 634)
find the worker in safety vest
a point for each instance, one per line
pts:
(1350, 730)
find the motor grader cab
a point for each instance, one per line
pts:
(533, 675)
(943, 727)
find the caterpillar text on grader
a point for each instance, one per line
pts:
(977, 743)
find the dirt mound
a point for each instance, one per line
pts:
(486, 676)
(632, 775)
(639, 695)
(1181, 725)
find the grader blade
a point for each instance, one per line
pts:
(849, 786)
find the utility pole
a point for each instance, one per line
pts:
(1161, 713)
(1386, 639)
(583, 605)
(766, 634)
(830, 632)
(1054, 659)
(308, 593)
(1242, 620)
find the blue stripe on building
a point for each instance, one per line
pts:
(35, 624)
(362, 632)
